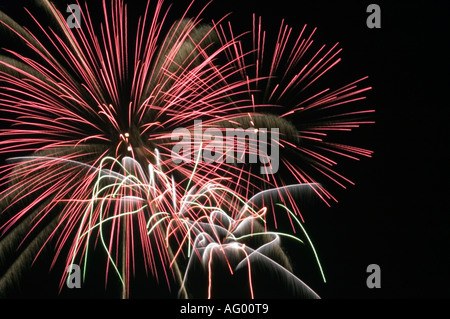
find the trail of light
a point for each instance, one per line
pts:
(250, 281)
(307, 237)
(269, 233)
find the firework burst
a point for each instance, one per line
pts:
(184, 226)
(89, 108)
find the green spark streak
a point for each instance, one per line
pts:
(309, 240)
(97, 191)
(157, 224)
(111, 218)
(269, 233)
(195, 168)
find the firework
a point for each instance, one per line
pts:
(89, 110)
(283, 76)
(229, 252)
(86, 97)
(175, 225)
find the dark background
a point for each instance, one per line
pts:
(396, 215)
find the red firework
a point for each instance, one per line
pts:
(86, 94)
